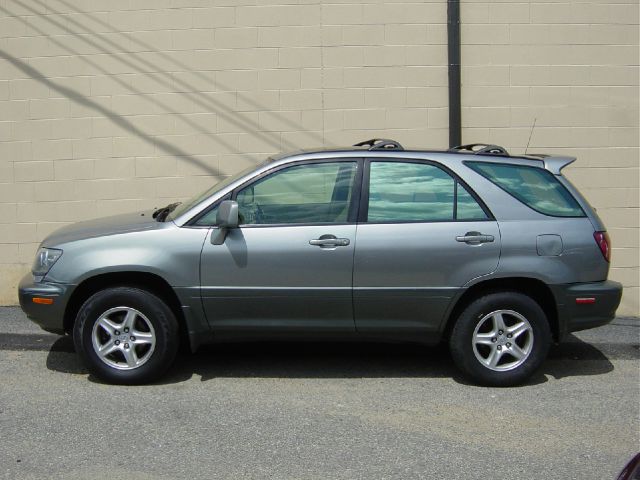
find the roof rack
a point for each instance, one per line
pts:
(481, 149)
(380, 144)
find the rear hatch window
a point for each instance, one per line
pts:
(535, 187)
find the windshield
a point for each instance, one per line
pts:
(189, 204)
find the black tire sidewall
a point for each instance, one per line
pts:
(461, 338)
(152, 307)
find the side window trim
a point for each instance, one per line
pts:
(353, 207)
(366, 177)
(363, 210)
(356, 194)
(455, 199)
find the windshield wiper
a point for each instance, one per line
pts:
(161, 214)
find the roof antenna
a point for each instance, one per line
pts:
(530, 134)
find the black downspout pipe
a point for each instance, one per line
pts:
(453, 44)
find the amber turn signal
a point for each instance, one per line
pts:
(42, 301)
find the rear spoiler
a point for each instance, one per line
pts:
(552, 163)
(556, 164)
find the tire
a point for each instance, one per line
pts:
(126, 335)
(500, 339)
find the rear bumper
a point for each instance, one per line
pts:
(586, 305)
(50, 317)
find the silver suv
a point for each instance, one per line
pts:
(497, 255)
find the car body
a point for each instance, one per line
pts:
(631, 470)
(366, 242)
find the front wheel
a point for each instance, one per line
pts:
(500, 339)
(126, 335)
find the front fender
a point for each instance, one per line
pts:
(171, 253)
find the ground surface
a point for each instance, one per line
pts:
(318, 411)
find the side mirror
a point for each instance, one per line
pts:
(226, 218)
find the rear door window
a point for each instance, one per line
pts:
(418, 192)
(535, 187)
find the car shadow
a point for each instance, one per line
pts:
(62, 357)
(350, 360)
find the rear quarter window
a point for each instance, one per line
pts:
(535, 187)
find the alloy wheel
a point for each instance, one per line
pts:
(123, 338)
(502, 340)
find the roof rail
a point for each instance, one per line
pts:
(380, 144)
(481, 149)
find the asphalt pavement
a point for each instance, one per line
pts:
(318, 411)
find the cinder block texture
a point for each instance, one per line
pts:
(572, 69)
(112, 106)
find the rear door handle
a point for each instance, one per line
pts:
(329, 241)
(475, 238)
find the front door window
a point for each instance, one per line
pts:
(303, 194)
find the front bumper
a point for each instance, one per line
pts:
(50, 317)
(586, 305)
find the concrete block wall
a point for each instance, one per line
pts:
(107, 107)
(572, 68)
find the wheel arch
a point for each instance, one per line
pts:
(532, 287)
(144, 280)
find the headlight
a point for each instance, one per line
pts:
(45, 258)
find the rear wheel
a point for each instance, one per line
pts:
(500, 339)
(126, 335)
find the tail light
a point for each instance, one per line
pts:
(604, 242)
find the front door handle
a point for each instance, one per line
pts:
(475, 238)
(329, 241)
